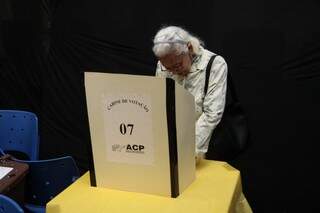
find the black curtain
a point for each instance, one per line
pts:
(272, 49)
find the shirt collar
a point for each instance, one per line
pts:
(200, 62)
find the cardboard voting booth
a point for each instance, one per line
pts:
(142, 133)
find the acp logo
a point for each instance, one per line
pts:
(135, 148)
(129, 148)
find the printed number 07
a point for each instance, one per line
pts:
(123, 128)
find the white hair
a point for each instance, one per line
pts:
(173, 39)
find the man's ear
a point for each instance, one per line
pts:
(190, 48)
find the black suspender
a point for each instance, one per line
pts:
(206, 83)
(229, 81)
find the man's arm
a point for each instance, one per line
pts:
(213, 105)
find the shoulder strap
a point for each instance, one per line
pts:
(229, 81)
(208, 69)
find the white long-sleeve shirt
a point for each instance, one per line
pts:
(209, 109)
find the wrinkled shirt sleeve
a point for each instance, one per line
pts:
(213, 105)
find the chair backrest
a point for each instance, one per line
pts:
(47, 178)
(7, 205)
(19, 132)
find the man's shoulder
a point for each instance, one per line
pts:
(219, 59)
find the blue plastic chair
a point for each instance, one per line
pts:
(46, 179)
(19, 132)
(7, 205)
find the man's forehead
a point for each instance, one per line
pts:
(169, 58)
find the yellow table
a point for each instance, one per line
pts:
(217, 189)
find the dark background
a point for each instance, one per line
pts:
(272, 49)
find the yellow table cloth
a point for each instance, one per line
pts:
(217, 189)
